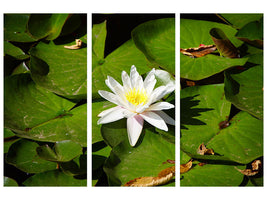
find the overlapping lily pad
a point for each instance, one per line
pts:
(126, 163)
(202, 109)
(22, 154)
(51, 25)
(203, 67)
(156, 39)
(212, 175)
(245, 89)
(36, 113)
(60, 70)
(241, 19)
(54, 178)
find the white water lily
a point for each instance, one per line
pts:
(135, 102)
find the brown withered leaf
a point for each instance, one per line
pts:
(223, 44)
(202, 150)
(163, 177)
(256, 167)
(190, 83)
(197, 52)
(186, 167)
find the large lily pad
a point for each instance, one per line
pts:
(51, 25)
(242, 141)
(60, 70)
(22, 154)
(202, 109)
(245, 89)
(15, 28)
(62, 151)
(156, 39)
(36, 113)
(54, 178)
(212, 175)
(203, 67)
(126, 163)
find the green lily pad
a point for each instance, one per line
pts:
(15, 28)
(239, 20)
(10, 49)
(22, 154)
(99, 34)
(9, 139)
(245, 89)
(46, 26)
(212, 175)
(60, 70)
(202, 109)
(77, 166)
(242, 141)
(156, 39)
(252, 30)
(10, 182)
(38, 114)
(21, 68)
(54, 178)
(62, 151)
(127, 163)
(119, 60)
(203, 67)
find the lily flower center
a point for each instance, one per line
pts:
(135, 96)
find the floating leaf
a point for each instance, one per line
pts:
(203, 67)
(53, 178)
(245, 89)
(223, 44)
(146, 160)
(200, 51)
(186, 167)
(10, 49)
(38, 114)
(9, 182)
(212, 175)
(163, 177)
(46, 26)
(22, 154)
(256, 167)
(62, 151)
(202, 150)
(241, 19)
(15, 28)
(9, 139)
(60, 70)
(156, 39)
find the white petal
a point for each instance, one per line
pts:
(112, 116)
(133, 76)
(155, 120)
(161, 106)
(139, 84)
(105, 112)
(126, 81)
(109, 96)
(166, 117)
(150, 81)
(160, 92)
(128, 113)
(114, 86)
(134, 128)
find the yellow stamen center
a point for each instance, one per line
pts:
(136, 97)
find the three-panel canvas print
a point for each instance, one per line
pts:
(149, 103)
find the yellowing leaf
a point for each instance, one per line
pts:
(256, 167)
(163, 177)
(186, 167)
(202, 150)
